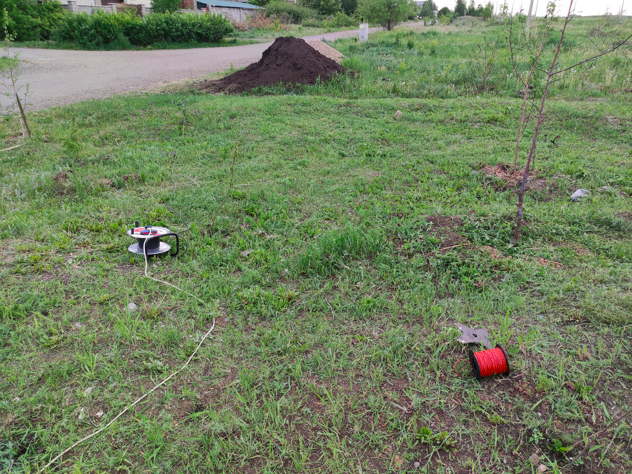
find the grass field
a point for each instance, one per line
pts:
(337, 247)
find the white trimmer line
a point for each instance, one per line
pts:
(94, 433)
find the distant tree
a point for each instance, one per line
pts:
(386, 13)
(471, 9)
(428, 10)
(460, 8)
(164, 6)
(445, 11)
(487, 11)
(325, 7)
(349, 6)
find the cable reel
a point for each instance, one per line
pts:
(148, 240)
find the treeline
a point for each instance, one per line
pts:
(429, 10)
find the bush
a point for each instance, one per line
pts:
(324, 7)
(313, 23)
(349, 6)
(341, 20)
(295, 13)
(30, 20)
(103, 29)
(165, 6)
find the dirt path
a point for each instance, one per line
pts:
(57, 77)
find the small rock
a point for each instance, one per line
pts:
(99, 414)
(535, 459)
(16, 399)
(45, 139)
(132, 307)
(416, 465)
(398, 114)
(245, 253)
(541, 468)
(88, 390)
(473, 172)
(78, 325)
(82, 414)
(580, 193)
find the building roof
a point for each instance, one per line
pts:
(228, 4)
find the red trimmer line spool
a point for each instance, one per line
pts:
(489, 362)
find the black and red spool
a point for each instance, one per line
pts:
(489, 362)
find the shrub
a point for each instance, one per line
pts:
(102, 29)
(313, 23)
(349, 6)
(30, 20)
(341, 20)
(165, 6)
(324, 7)
(295, 13)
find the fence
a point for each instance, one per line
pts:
(232, 14)
(72, 7)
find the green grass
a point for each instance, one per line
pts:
(5, 62)
(348, 246)
(447, 62)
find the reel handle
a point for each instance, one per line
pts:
(177, 243)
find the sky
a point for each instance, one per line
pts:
(582, 7)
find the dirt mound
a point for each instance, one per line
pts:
(326, 50)
(288, 60)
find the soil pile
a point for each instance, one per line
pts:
(326, 50)
(288, 60)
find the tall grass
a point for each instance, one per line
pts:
(445, 62)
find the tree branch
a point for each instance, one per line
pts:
(614, 48)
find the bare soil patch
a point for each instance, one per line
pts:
(626, 216)
(445, 229)
(512, 179)
(289, 61)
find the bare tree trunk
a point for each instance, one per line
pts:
(525, 177)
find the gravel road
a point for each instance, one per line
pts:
(58, 77)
